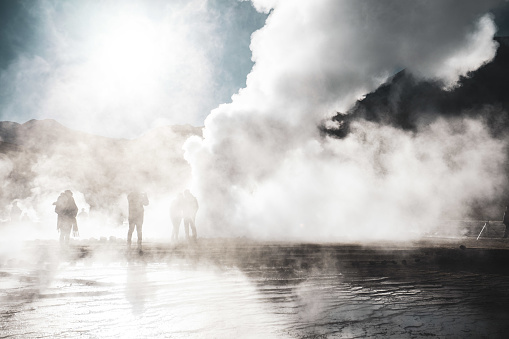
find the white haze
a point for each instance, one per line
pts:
(262, 169)
(117, 68)
(99, 171)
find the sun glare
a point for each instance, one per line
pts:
(130, 67)
(131, 51)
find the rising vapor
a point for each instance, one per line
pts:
(120, 68)
(262, 168)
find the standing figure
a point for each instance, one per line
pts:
(136, 202)
(176, 215)
(72, 212)
(66, 209)
(189, 209)
(505, 220)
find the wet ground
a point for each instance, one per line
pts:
(225, 288)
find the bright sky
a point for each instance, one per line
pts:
(118, 68)
(121, 67)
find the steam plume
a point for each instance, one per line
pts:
(262, 168)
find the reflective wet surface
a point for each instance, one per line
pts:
(242, 289)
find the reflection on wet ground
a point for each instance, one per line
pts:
(243, 289)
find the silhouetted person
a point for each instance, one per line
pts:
(176, 215)
(505, 220)
(59, 208)
(66, 209)
(189, 209)
(136, 202)
(15, 212)
(73, 213)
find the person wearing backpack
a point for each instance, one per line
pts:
(66, 210)
(176, 215)
(189, 210)
(136, 201)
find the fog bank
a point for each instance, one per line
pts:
(262, 168)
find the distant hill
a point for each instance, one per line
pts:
(404, 101)
(44, 156)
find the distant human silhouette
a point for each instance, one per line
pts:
(66, 209)
(189, 209)
(82, 217)
(505, 220)
(15, 214)
(176, 215)
(136, 201)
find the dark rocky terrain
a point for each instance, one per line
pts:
(408, 103)
(229, 288)
(405, 102)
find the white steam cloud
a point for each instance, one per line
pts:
(262, 168)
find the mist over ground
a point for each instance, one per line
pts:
(41, 159)
(263, 167)
(335, 188)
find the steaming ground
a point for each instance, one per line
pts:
(232, 288)
(262, 163)
(262, 170)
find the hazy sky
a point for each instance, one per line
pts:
(120, 67)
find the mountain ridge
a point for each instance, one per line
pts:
(404, 101)
(46, 157)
